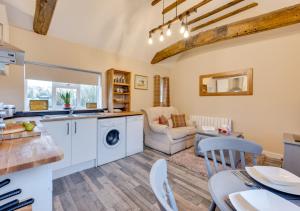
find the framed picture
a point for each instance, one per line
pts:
(141, 82)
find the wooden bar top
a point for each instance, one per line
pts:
(27, 208)
(26, 153)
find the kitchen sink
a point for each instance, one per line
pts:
(55, 116)
(51, 117)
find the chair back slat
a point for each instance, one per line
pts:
(215, 160)
(223, 159)
(254, 160)
(232, 160)
(207, 163)
(234, 146)
(170, 196)
(160, 186)
(243, 161)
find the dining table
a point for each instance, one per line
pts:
(226, 182)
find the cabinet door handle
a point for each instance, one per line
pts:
(68, 128)
(75, 127)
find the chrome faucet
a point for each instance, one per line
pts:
(71, 111)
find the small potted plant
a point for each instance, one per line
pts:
(66, 97)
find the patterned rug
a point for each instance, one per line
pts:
(189, 160)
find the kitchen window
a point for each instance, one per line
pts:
(47, 83)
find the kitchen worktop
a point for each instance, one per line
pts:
(52, 118)
(26, 153)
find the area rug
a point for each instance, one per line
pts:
(189, 160)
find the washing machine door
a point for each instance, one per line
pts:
(112, 138)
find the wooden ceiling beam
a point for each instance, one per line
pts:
(154, 2)
(44, 10)
(172, 6)
(181, 15)
(240, 10)
(272, 20)
(219, 9)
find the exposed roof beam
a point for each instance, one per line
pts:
(272, 20)
(242, 9)
(154, 2)
(44, 10)
(219, 9)
(182, 15)
(172, 6)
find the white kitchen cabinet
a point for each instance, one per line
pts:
(84, 140)
(135, 134)
(77, 138)
(60, 131)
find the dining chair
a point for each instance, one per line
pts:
(160, 186)
(231, 145)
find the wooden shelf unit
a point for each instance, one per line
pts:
(118, 90)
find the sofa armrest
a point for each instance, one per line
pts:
(191, 123)
(157, 128)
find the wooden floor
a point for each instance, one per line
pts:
(124, 185)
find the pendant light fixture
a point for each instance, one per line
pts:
(161, 37)
(150, 40)
(182, 28)
(169, 32)
(186, 33)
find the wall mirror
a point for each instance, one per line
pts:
(227, 83)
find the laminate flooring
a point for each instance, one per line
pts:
(124, 185)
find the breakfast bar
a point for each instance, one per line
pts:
(26, 162)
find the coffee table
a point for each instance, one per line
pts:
(201, 134)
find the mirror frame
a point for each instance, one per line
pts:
(248, 72)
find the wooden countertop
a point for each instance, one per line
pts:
(27, 208)
(26, 153)
(88, 115)
(121, 114)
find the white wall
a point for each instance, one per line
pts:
(52, 50)
(275, 106)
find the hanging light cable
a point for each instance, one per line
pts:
(161, 37)
(169, 31)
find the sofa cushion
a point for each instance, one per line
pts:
(178, 120)
(162, 120)
(191, 130)
(157, 128)
(181, 132)
(154, 113)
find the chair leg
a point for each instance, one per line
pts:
(212, 206)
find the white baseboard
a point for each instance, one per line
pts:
(273, 155)
(73, 169)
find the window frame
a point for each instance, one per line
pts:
(58, 85)
(55, 85)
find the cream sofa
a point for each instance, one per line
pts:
(163, 138)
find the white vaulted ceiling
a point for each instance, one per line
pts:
(121, 26)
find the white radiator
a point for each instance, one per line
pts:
(215, 122)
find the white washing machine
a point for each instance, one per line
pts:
(111, 140)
